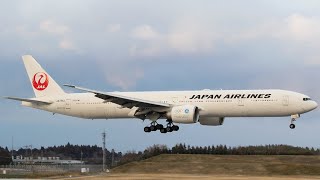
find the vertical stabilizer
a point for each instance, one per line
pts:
(41, 82)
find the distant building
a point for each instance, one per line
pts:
(43, 160)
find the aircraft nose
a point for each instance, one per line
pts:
(310, 105)
(314, 105)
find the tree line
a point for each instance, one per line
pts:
(218, 150)
(93, 154)
(239, 150)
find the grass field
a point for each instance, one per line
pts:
(225, 165)
(211, 167)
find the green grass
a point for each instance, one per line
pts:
(225, 165)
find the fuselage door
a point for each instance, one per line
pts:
(241, 107)
(285, 100)
(240, 102)
(68, 104)
(175, 100)
(61, 105)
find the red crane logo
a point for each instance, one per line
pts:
(40, 81)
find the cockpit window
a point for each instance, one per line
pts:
(306, 99)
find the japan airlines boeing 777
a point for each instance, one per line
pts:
(208, 107)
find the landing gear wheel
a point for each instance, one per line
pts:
(163, 130)
(153, 128)
(159, 126)
(175, 128)
(292, 126)
(169, 129)
(147, 129)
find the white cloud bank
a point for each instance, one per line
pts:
(145, 32)
(303, 28)
(113, 28)
(183, 38)
(61, 31)
(299, 33)
(50, 26)
(124, 80)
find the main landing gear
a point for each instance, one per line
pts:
(293, 118)
(155, 126)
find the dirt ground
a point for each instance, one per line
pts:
(187, 177)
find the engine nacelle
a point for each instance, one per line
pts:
(186, 114)
(211, 121)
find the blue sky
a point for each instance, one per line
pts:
(151, 45)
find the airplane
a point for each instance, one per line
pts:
(208, 107)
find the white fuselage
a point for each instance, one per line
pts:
(212, 103)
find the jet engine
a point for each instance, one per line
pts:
(211, 121)
(185, 114)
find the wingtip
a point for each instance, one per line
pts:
(26, 56)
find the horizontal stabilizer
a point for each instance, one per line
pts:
(29, 100)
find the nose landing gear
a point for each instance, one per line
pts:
(292, 126)
(293, 118)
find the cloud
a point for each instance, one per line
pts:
(302, 36)
(124, 80)
(148, 41)
(113, 28)
(295, 36)
(52, 27)
(61, 31)
(66, 44)
(147, 50)
(183, 37)
(295, 33)
(303, 28)
(192, 37)
(145, 32)
(24, 31)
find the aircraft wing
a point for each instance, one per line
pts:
(29, 100)
(123, 101)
